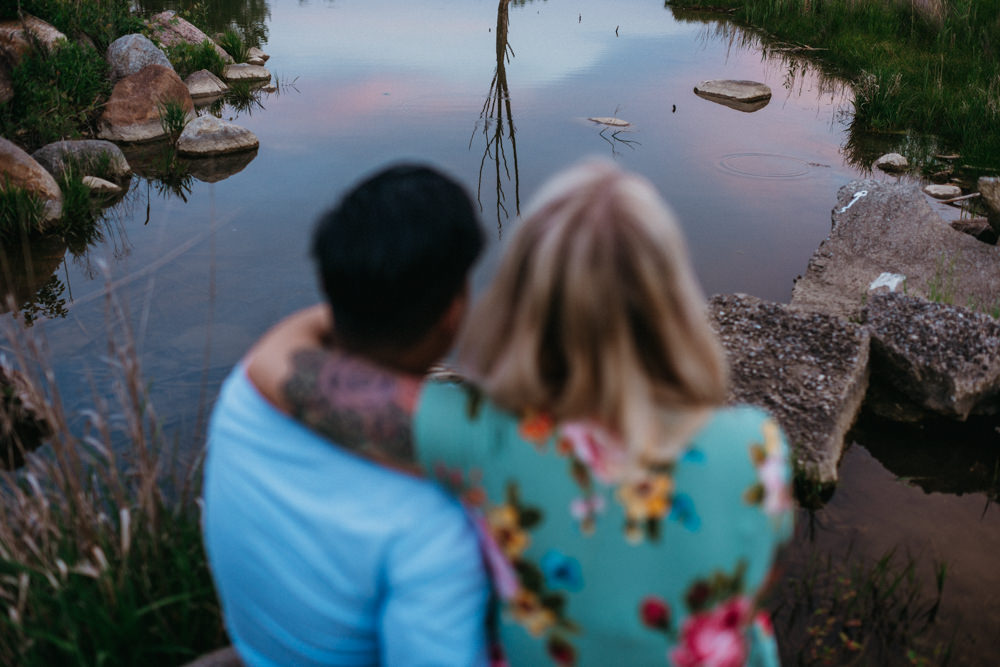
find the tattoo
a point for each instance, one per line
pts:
(359, 405)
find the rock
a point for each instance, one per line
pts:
(170, 29)
(894, 229)
(16, 36)
(20, 170)
(254, 52)
(978, 228)
(132, 114)
(23, 425)
(943, 191)
(808, 369)
(99, 186)
(223, 657)
(741, 95)
(85, 154)
(131, 53)
(610, 121)
(256, 61)
(218, 168)
(205, 85)
(26, 270)
(989, 189)
(244, 72)
(892, 163)
(208, 135)
(6, 84)
(944, 358)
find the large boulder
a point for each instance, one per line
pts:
(208, 135)
(892, 228)
(134, 110)
(741, 95)
(169, 29)
(16, 37)
(808, 369)
(131, 53)
(943, 358)
(18, 169)
(84, 154)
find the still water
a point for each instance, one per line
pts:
(501, 100)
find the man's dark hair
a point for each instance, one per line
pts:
(394, 253)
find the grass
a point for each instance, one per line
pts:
(56, 95)
(928, 66)
(849, 611)
(102, 22)
(21, 213)
(233, 43)
(101, 559)
(173, 118)
(187, 58)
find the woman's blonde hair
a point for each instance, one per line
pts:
(595, 313)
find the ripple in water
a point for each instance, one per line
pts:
(764, 165)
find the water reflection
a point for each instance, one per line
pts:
(496, 121)
(250, 17)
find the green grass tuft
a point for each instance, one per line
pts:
(21, 213)
(234, 44)
(187, 58)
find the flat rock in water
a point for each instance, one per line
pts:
(208, 135)
(131, 53)
(100, 186)
(132, 114)
(85, 154)
(808, 369)
(944, 358)
(741, 95)
(171, 29)
(202, 84)
(943, 191)
(254, 52)
(20, 170)
(244, 72)
(607, 120)
(16, 37)
(892, 162)
(893, 229)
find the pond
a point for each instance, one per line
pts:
(502, 100)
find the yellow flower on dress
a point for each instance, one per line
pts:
(529, 611)
(648, 498)
(505, 527)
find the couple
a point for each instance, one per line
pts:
(602, 508)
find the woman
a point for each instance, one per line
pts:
(627, 517)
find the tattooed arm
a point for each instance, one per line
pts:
(359, 405)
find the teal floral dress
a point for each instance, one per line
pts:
(664, 568)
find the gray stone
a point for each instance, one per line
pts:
(978, 228)
(808, 369)
(203, 84)
(83, 154)
(989, 188)
(171, 29)
(894, 229)
(99, 186)
(944, 358)
(20, 170)
(256, 61)
(133, 112)
(208, 135)
(244, 72)
(16, 37)
(254, 52)
(130, 54)
(740, 95)
(943, 191)
(892, 162)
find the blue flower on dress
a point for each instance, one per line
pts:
(684, 513)
(561, 571)
(693, 456)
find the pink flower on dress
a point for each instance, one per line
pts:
(582, 508)
(501, 571)
(714, 638)
(595, 447)
(771, 473)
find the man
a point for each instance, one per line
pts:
(321, 557)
